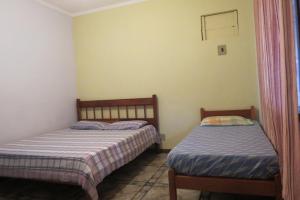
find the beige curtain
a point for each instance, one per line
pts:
(278, 87)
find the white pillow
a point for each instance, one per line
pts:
(226, 121)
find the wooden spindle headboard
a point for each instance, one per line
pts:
(95, 110)
(247, 113)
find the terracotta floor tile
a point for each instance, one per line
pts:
(162, 193)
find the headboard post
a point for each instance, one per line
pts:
(78, 109)
(202, 113)
(253, 113)
(155, 111)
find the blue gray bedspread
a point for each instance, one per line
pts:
(233, 151)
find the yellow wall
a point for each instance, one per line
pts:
(155, 47)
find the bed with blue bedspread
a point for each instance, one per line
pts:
(226, 159)
(227, 151)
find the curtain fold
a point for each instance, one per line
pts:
(278, 87)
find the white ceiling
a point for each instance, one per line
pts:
(80, 7)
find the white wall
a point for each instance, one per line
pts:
(37, 70)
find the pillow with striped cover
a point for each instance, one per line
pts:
(89, 125)
(126, 125)
(226, 121)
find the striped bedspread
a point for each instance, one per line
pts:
(80, 157)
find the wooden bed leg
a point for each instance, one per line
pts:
(278, 187)
(172, 185)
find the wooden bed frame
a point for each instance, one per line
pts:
(133, 109)
(270, 187)
(86, 110)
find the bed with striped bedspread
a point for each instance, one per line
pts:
(79, 157)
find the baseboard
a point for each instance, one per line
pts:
(165, 150)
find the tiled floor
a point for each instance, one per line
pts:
(143, 179)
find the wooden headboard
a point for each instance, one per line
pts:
(247, 113)
(119, 110)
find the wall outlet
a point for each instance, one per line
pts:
(222, 50)
(163, 137)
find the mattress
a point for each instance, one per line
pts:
(233, 151)
(79, 157)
